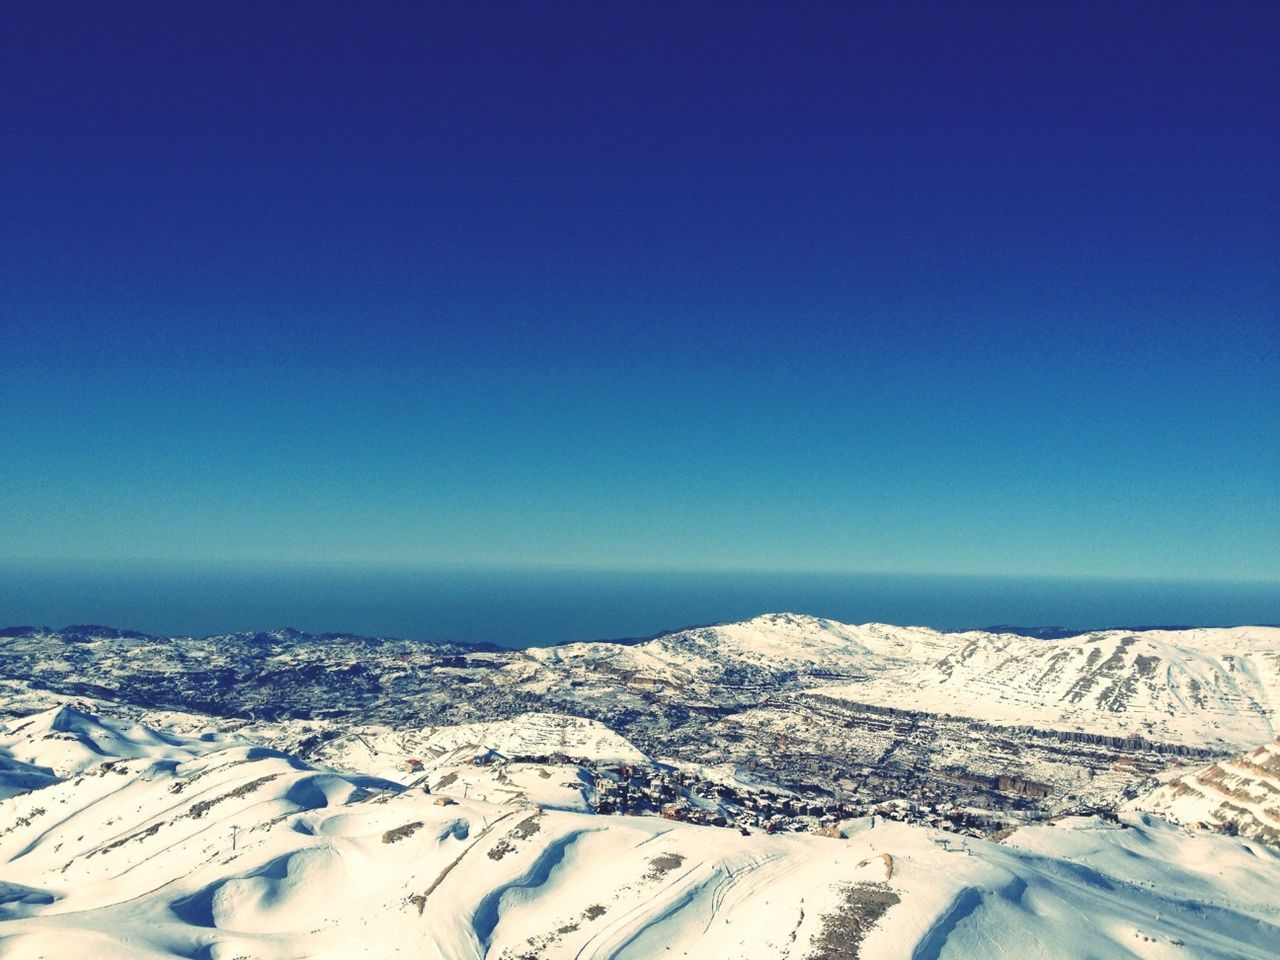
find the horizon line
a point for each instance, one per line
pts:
(225, 564)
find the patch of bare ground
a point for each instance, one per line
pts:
(202, 807)
(150, 831)
(663, 864)
(180, 785)
(402, 832)
(23, 821)
(527, 827)
(842, 932)
(501, 849)
(523, 830)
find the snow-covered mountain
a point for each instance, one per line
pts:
(1207, 687)
(763, 649)
(1212, 687)
(1217, 688)
(1240, 796)
(182, 842)
(1017, 726)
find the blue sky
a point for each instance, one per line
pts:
(968, 289)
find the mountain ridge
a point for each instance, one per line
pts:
(1038, 632)
(1206, 686)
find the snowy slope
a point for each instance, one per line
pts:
(443, 757)
(67, 739)
(1240, 795)
(1204, 687)
(771, 644)
(537, 734)
(797, 642)
(231, 850)
(442, 760)
(1209, 687)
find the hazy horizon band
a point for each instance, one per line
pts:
(517, 608)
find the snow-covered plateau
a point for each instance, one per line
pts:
(782, 787)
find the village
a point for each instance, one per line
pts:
(689, 796)
(679, 795)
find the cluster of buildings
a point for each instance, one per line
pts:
(675, 794)
(680, 795)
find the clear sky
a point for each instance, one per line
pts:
(965, 288)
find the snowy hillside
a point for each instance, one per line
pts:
(394, 752)
(188, 846)
(768, 645)
(445, 758)
(537, 734)
(67, 739)
(1215, 687)
(1240, 795)
(1212, 687)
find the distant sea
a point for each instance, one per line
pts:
(518, 608)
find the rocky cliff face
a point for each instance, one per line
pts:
(1240, 796)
